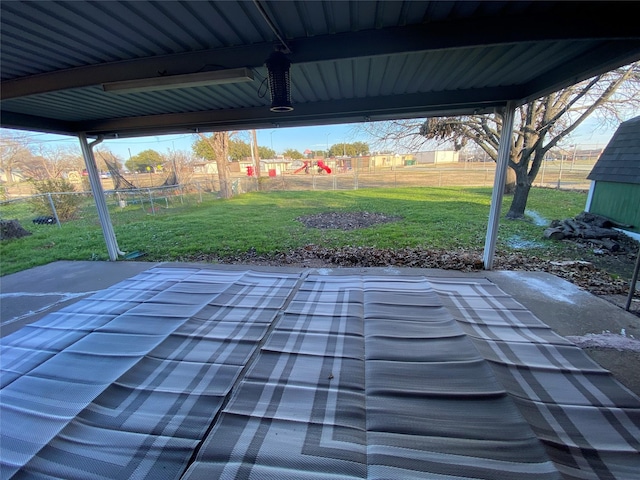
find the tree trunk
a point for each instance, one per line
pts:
(224, 178)
(219, 143)
(510, 182)
(520, 195)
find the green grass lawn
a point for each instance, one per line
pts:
(266, 223)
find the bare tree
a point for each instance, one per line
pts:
(540, 125)
(52, 161)
(181, 162)
(14, 152)
(395, 135)
(104, 155)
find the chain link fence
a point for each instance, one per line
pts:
(53, 210)
(563, 175)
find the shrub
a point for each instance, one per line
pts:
(66, 205)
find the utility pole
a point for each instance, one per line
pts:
(254, 152)
(173, 160)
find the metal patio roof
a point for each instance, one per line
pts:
(352, 61)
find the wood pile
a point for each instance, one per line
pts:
(595, 229)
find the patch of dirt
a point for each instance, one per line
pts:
(12, 229)
(600, 272)
(345, 220)
(618, 263)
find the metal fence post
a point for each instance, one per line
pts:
(53, 209)
(153, 209)
(634, 281)
(560, 173)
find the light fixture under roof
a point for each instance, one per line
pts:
(170, 82)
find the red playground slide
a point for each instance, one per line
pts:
(304, 167)
(323, 166)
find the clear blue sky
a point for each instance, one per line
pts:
(280, 139)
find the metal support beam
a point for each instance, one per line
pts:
(414, 105)
(632, 284)
(98, 195)
(504, 150)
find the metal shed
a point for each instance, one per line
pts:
(615, 187)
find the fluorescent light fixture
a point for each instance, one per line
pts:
(169, 82)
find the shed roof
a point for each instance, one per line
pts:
(620, 160)
(352, 61)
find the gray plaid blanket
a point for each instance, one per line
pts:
(197, 373)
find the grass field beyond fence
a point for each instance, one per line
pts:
(265, 223)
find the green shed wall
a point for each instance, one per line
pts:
(619, 202)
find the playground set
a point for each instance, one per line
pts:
(306, 165)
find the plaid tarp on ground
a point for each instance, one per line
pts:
(126, 383)
(588, 422)
(369, 378)
(196, 372)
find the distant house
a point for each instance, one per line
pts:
(437, 156)
(205, 167)
(16, 176)
(615, 178)
(268, 166)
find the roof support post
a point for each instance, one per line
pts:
(504, 151)
(98, 195)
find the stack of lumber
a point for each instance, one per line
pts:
(595, 229)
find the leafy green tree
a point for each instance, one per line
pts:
(266, 152)
(361, 148)
(238, 150)
(349, 149)
(293, 154)
(146, 158)
(202, 149)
